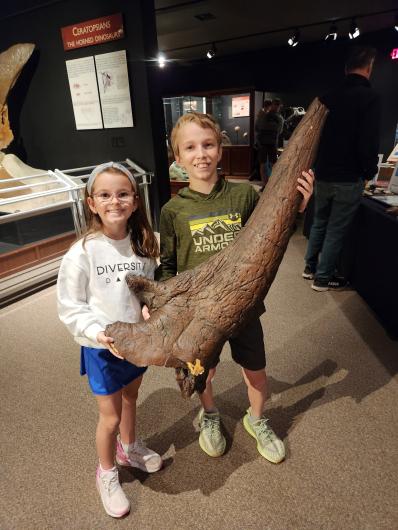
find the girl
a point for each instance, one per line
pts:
(91, 294)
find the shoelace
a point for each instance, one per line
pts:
(212, 424)
(263, 429)
(110, 482)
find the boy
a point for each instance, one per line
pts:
(193, 228)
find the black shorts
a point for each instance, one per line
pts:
(267, 152)
(247, 347)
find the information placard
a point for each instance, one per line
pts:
(240, 106)
(113, 83)
(84, 92)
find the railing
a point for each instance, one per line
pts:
(48, 197)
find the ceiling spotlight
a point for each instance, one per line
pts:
(211, 52)
(161, 60)
(332, 35)
(294, 39)
(396, 23)
(354, 30)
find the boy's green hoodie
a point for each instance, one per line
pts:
(194, 226)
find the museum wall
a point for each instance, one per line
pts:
(297, 75)
(41, 112)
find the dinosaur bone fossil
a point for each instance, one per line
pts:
(11, 167)
(194, 313)
(11, 63)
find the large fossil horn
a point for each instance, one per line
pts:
(194, 313)
(11, 63)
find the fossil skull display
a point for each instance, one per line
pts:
(194, 313)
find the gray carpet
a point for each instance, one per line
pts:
(333, 398)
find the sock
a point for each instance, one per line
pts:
(210, 411)
(127, 447)
(106, 470)
(252, 418)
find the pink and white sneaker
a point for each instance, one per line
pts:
(139, 456)
(115, 502)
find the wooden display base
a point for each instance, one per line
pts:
(34, 253)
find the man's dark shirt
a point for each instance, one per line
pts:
(268, 127)
(349, 143)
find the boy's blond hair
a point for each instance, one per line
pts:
(206, 121)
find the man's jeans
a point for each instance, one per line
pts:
(335, 207)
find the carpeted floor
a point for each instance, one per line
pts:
(333, 398)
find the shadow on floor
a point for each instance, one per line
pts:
(194, 470)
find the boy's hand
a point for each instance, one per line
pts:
(108, 343)
(306, 188)
(145, 312)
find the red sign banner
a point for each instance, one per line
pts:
(93, 32)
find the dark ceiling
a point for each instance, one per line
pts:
(186, 29)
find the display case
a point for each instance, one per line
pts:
(41, 214)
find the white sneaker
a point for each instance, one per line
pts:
(112, 496)
(139, 456)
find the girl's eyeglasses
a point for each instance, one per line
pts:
(121, 196)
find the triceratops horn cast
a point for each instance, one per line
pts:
(194, 313)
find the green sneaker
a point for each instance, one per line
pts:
(268, 444)
(211, 439)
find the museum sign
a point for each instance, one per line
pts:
(93, 32)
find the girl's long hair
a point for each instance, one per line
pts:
(143, 239)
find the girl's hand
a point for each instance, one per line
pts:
(306, 188)
(108, 343)
(145, 312)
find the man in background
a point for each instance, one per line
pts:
(268, 126)
(346, 159)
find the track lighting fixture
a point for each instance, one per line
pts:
(294, 39)
(332, 35)
(161, 60)
(295, 34)
(354, 30)
(211, 52)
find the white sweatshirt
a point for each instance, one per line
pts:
(91, 288)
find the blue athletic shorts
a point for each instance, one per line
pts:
(106, 373)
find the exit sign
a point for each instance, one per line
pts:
(394, 53)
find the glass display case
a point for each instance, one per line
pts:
(175, 107)
(232, 111)
(41, 214)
